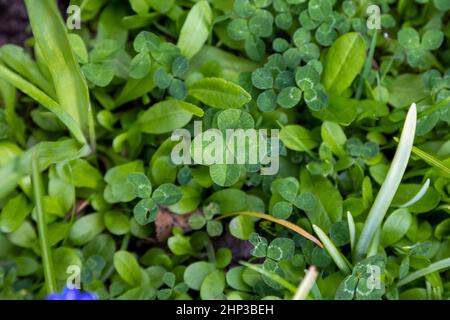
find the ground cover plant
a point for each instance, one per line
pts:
(92, 199)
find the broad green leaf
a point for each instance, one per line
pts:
(180, 245)
(396, 226)
(63, 258)
(298, 138)
(195, 30)
(128, 268)
(405, 89)
(235, 279)
(341, 110)
(344, 61)
(230, 64)
(117, 189)
(219, 93)
(116, 222)
(25, 236)
(165, 116)
(190, 199)
(225, 175)
(241, 227)
(235, 119)
(328, 196)
(52, 38)
(195, 274)
(86, 228)
(14, 213)
(334, 137)
(213, 285)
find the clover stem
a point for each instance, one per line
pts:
(284, 223)
(46, 253)
(368, 64)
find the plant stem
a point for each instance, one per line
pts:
(368, 64)
(46, 253)
(306, 285)
(284, 223)
(390, 184)
(335, 254)
(439, 265)
(270, 275)
(428, 158)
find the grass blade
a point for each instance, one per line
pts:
(428, 158)
(284, 223)
(390, 184)
(46, 253)
(52, 38)
(367, 65)
(16, 59)
(335, 254)
(43, 99)
(196, 28)
(351, 230)
(417, 196)
(306, 285)
(373, 248)
(270, 275)
(437, 266)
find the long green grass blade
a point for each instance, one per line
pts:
(51, 36)
(43, 99)
(16, 59)
(437, 266)
(390, 184)
(335, 254)
(46, 253)
(270, 275)
(367, 65)
(417, 196)
(431, 160)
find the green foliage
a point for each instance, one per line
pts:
(89, 178)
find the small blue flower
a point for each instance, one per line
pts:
(72, 294)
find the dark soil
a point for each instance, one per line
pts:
(14, 21)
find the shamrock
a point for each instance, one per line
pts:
(213, 227)
(146, 209)
(365, 282)
(418, 48)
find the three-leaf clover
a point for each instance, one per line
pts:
(418, 48)
(146, 209)
(365, 282)
(198, 221)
